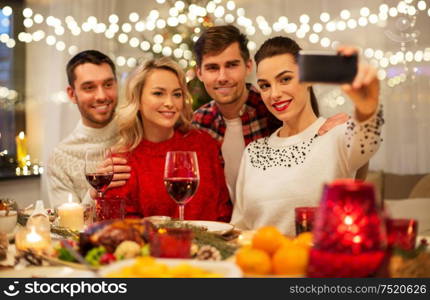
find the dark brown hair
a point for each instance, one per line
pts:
(87, 56)
(217, 38)
(283, 45)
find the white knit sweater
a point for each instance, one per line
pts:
(278, 174)
(66, 165)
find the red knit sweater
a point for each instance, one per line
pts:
(146, 194)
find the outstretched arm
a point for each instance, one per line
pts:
(364, 130)
(364, 90)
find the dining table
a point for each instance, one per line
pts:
(28, 264)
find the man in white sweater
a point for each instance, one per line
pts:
(93, 88)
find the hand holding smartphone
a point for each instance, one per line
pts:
(326, 67)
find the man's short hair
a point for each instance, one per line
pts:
(87, 56)
(217, 38)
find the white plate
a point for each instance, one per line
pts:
(45, 272)
(224, 268)
(212, 226)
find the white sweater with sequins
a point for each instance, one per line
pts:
(66, 166)
(278, 174)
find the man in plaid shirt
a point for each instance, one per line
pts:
(236, 116)
(257, 121)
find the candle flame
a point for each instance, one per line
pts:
(348, 220)
(356, 239)
(33, 236)
(21, 135)
(70, 199)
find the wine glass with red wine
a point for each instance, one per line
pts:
(98, 169)
(181, 177)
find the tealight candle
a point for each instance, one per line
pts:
(171, 243)
(31, 239)
(349, 233)
(71, 215)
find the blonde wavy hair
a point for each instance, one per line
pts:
(129, 118)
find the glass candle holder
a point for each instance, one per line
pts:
(108, 208)
(349, 233)
(171, 243)
(304, 218)
(402, 233)
(31, 239)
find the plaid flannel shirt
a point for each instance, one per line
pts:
(257, 121)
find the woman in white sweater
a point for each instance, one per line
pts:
(288, 168)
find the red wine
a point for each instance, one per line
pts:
(181, 189)
(99, 181)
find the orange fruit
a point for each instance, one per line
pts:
(253, 261)
(291, 260)
(267, 238)
(285, 241)
(305, 239)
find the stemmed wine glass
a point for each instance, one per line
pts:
(98, 172)
(181, 177)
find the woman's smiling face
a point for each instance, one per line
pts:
(162, 100)
(281, 91)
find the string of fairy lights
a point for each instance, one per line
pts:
(148, 33)
(197, 16)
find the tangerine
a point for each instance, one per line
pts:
(268, 239)
(305, 239)
(291, 260)
(253, 261)
(286, 241)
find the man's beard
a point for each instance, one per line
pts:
(85, 114)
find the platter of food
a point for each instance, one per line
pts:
(111, 241)
(162, 267)
(45, 272)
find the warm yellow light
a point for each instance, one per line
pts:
(357, 239)
(348, 220)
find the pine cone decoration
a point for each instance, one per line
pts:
(208, 253)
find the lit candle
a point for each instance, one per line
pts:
(31, 240)
(71, 215)
(21, 149)
(349, 233)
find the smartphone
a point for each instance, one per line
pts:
(326, 67)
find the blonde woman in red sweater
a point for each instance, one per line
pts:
(155, 119)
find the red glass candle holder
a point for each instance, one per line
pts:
(349, 232)
(171, 243)
(108, 208)
(304, 218)
(402, 233)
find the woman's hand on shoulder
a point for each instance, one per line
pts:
(364, 90)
